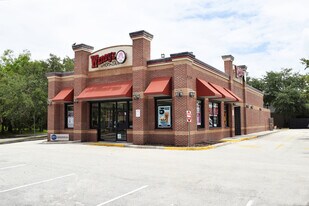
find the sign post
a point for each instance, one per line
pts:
(189, 120)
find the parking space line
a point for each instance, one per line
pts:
(280, 145)
(250, 203)
(20, 165)
(116, 198)
(36, 183)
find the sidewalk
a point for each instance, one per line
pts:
(224, 141)
(22, 139)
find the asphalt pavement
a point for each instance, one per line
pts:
(272, 170)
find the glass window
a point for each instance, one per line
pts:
(163, 113)
(214, 114)
(226, 115)
(130, 115)
(94, 117)
(199, 113)
(69, 116)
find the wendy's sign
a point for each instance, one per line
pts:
(112, 57)
(108, 59)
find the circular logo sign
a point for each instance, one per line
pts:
(53, 137)
(121, 56)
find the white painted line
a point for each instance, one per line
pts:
(250, 203)
(116, 198)
(20, 165)
(36, 183)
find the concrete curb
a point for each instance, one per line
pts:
(223, 142)
(24, 139)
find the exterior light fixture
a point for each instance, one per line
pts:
(247, 105)
(136, 96)
(178, 93)
(75, 100)
(251, 106)
(49, 102)
(191, 94)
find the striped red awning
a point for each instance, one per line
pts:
(107, 91)
(160, 86)
(65, 95)
(204, 89)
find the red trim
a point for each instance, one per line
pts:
(65, 95)
(105, 91)
(159, 86)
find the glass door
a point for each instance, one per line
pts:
(108, 121)
(122, 121)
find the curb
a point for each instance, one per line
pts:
(40, 137)
(223, 142)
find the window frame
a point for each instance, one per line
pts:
(66, 105)
(156, 99)
(218, 116)
(202, 113)
(227, 112)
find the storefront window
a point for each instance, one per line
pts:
(69, 116)
(226, 115)
(130, 114)
(199, 114)
(214, 114)
(163, 113)
(94, 118)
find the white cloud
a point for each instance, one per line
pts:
(264, 35)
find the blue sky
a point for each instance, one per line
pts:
(265, 35)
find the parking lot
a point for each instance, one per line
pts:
(272, 170)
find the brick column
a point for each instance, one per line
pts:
(244, 91)
(53, 109)
(141, 54)
(81, 64)
(228, 69)
(182, 80)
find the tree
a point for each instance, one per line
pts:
(305, 62)
(23, 89)
(287, 92)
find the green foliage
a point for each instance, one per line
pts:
(23, 89)
(305, 62)
(287, 92)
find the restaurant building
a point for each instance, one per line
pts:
(119, 94)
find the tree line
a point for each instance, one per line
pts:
(23, 90)
(285, 92)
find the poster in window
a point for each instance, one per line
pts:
(164, 116)
(70, 119)
(198, 114)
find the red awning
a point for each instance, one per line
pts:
(159, 86)
(65, 95)
(234, 95)
(204, 89)
(226, 96)
(106, 91)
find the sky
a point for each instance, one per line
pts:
(265, 35)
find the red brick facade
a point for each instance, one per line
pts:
(184, 69)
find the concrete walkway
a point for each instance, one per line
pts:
(22, 139)
(225, 141)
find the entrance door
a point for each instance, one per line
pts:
(113, 121)
(121, 119)
(237, 121)
(108, 121)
